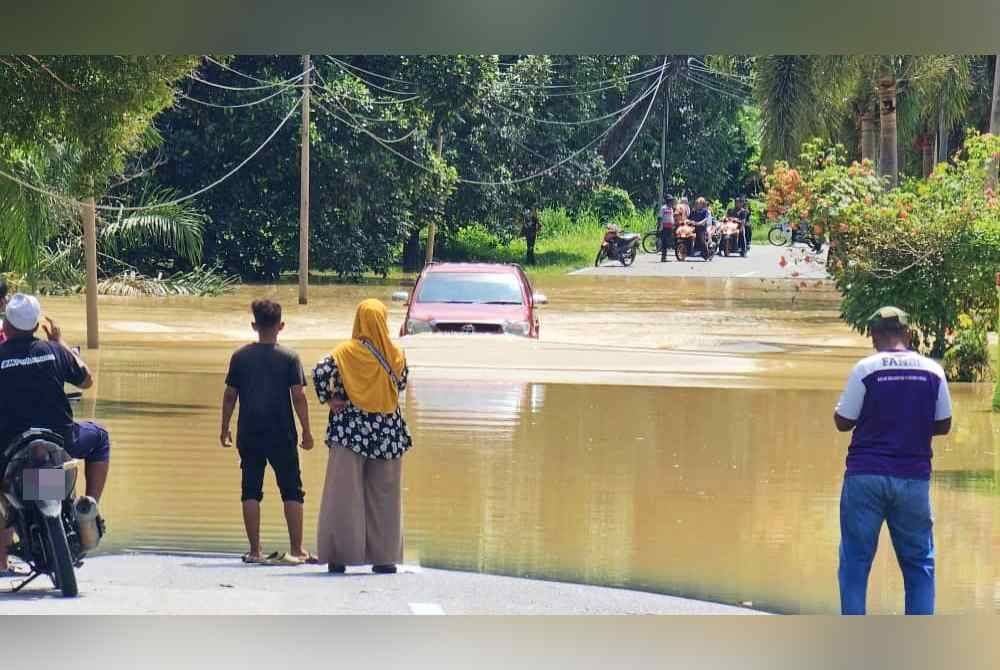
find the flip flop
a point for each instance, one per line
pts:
(247, 558)
(283, 559)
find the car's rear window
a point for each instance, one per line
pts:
(471, 288)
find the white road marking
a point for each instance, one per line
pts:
(426, 609)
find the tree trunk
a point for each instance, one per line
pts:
(868, 137)
(942, 153)
(888, 151)
(940, 342)
(432, 226)
(927, 153)
(411, 253)
(304, 190)
(995, 117)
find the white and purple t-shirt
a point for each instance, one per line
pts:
(895, 397)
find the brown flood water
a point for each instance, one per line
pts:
(664, 435)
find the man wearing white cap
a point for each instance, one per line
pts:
(33, 373)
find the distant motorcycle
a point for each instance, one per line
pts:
(54, 530)
(685, 241)
(787, 234)
(732, 237)
(623, 247)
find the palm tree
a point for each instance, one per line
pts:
(799, 97)
(805, 96)
(42, 234)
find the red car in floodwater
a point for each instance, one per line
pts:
(471, 298)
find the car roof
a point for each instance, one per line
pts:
(472, 267)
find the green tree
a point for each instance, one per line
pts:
(99, 106)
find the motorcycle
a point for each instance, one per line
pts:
(787, 234)
(624, 248)
(685, 238)
(732, 238)
(55, 530)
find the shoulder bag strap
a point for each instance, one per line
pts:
(381, 360)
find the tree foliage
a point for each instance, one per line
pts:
(930, 247)
(99, 106)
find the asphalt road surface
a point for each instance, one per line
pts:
(144, 583)
(764, 261)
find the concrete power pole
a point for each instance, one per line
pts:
(304, 191)
(432, 227)
(90, 252)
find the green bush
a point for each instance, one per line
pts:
(930, 247)
(555, 221)
(610, 201)
(968, 359)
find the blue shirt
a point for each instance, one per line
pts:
(895, 397)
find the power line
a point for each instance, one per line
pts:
(742, 97)
(699, 65)
(237, 72)
(287, 83)
(554, 122)
(176, 201)
(326, 87)
(374, 74)
(343, 66)
(615, 80)
(645, 116)
(357, 127)
(519, 180)
(246, 104)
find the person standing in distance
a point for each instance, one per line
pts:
(530, 228)
(895, 401)
(666, 227)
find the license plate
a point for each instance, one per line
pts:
(45, 483)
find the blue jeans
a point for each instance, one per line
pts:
(865, 502)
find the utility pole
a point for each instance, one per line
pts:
(304, 191)
(994, 120)
(90, 252)
(663, 144)
(432, 227)
(663, 152)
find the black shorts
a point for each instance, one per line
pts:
(284, 461)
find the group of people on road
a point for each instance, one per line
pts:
(360, 520)
(895, 402)
(360, 517)
(676, 217)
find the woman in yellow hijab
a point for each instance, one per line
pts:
(360, 518)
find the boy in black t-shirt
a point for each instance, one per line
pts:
(267, 380)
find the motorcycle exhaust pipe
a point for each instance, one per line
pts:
(86, 516)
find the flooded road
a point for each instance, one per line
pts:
(671, 435)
